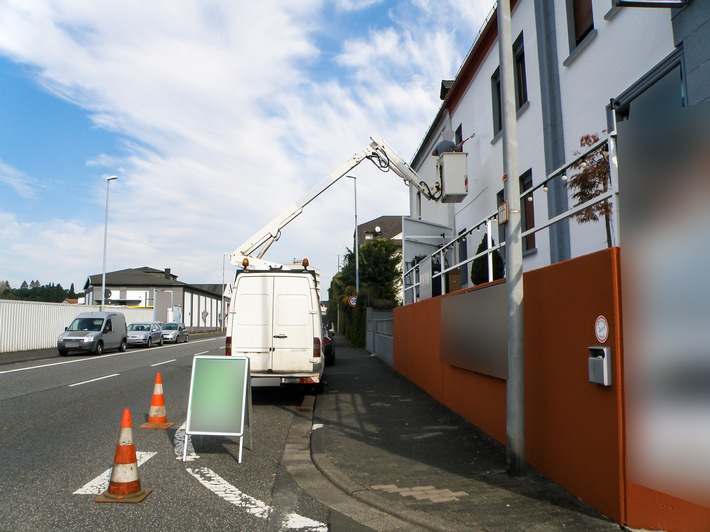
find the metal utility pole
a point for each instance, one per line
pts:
(357, 240)
(337, 306)
(515, 389)
(103, 275)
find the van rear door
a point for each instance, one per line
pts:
(251, 320)
(292, 325)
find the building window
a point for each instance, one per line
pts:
(580, 19)
(528, 213)
(497, 107)
(463, 255)
(521, 86)
(519, 81)
(528, 208)
(458, 136)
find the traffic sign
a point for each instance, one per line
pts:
(352, 301)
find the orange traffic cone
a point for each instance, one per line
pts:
(157, 419)
(125, 486)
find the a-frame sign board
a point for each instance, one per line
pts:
(220, 398)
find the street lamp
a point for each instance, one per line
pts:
(224, 288)
(337, 303)
(357, 243)
(103, 279)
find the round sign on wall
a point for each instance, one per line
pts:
(601, 329)
(352, 301)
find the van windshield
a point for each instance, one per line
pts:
(86, 324)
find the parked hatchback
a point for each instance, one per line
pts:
(175, 332)
(147, 334)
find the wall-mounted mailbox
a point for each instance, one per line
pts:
(600, 365)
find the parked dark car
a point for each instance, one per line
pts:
(147, 334)
(328, 348)
(175, 332)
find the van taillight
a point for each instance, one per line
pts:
(316, 346)
(228, 347)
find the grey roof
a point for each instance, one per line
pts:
(149, 277)
(212, 288)
(390, 226)
(144, 276)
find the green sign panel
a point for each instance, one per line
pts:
(219, 397)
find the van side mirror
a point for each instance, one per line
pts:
(66, 328)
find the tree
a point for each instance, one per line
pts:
(380, 278)
(479, 266)
(34, 291)
(591, 180)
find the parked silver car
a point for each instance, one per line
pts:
(147, 334)
(175, 332)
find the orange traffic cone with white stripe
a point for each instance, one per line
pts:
(157, 419)
(125, 486)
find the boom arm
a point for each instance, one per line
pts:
(378, 151)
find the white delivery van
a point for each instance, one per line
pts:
(275, 320)
(94, 332)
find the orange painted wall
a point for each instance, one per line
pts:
(572, 426)
(417, 344)
(574, 429)
(650, 509)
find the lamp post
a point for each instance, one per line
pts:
(224, 288)
(337, 303)
(357, 243)
(103, 278)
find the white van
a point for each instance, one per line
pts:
(94, 332)
(275, 320)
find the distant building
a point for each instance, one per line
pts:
(196, 305)
(388, 226)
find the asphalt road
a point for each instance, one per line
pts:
(60, 421)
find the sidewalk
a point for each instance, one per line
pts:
(387, 443)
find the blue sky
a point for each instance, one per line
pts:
(215, 116)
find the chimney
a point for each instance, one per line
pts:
(167, 274)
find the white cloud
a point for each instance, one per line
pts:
(226, 122)
(22, 185)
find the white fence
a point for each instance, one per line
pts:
(380, 337)
(26, 325)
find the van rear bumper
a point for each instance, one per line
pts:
(261, 381)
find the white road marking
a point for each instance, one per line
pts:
(298, 522)
(201, 353)
(100, 483)
(179, 441)
(94, 380)
(91, 359)
(164, 362)
(229, 493)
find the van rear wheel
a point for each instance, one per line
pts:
(123, 345)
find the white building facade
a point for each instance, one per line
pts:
(573, 60)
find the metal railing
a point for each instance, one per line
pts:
(411, 277)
